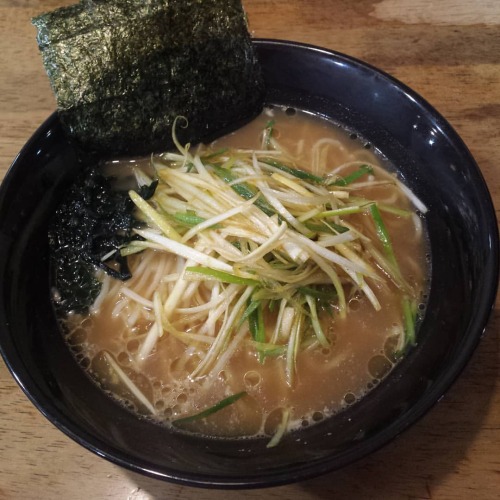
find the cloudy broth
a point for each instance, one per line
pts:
(363, 346)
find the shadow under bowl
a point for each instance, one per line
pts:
(432, 161)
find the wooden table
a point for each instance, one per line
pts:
(449, 52)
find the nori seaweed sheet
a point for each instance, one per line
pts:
(123, 70)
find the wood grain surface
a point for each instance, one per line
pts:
(449, 52)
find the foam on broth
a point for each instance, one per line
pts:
(362, 350)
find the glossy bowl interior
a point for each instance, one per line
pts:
(431, 159)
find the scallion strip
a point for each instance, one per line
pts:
(210, 411)
(268, 133)
(315, 322)
(321, 294)
(280, 430)
(214, 154)
(222, 276)
(188, 219)
(153, 216)
(293, 348)
(243, 189)
(296, 172)
(383, 236)
(349, 210)
(257, 327)
(353, 176)
(269, 350)
(129, 384)
(409, 321)
(261, 329)
(326, 227)
(400, 212)
(252, 305)
(184, 250)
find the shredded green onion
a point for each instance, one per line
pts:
(210, 411)
(328, 227)
(268, 133)
(244, 190)
(155, 217)
(188, 219)
(266, 241)
(215, 154)
(296, 172)
(256, 325)
(349, 210)
(221, 276)
(352, 177)
(281, 429)
(383, 236)
(315, 322)
(409, 317)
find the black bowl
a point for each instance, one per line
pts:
(430, 158)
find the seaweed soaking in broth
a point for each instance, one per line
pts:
(276, 277)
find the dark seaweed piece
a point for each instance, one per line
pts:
(92, 222)
(76, 284)
(123, 70)
(147, 191)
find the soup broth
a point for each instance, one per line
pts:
(158, 375)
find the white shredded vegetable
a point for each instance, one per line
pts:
(259, 251)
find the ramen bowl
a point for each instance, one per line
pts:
(431, 160)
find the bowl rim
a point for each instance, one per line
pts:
(305, 471)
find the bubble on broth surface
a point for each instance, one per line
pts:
(182, 398)
(317, 416)
(178, 368)
(133, 346)
(391, 344)
(128, 404)
(123, 358)
(77, 336)
(252, 379)
(87, 323)
(354, 304)
(76, 349)
(379, 366)
(350, 398)
(85, 362)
